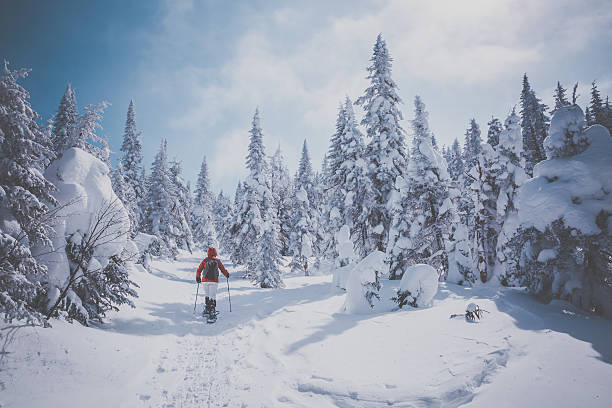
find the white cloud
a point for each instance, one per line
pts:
(298, 65)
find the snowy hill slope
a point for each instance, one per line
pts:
(294, 348)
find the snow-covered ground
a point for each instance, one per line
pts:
(293, 347)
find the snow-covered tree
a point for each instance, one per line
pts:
(495, 128)
(560, 98)
(132, 167)
(303, 230)
(596, 107)
(203, 222)
(385, 154)
(181, 208)
(563, 244)
(305, 176)
(65, 121)
(422, 220)
(471, 146)
(534, 126)
(160, 201)
(456, 166)
(510, 176)
(281, 190)
(254, 231)
(24, 194)
(222, 214)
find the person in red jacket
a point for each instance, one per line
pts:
(208, 272)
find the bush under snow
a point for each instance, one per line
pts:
(363, 283)
(418, 287)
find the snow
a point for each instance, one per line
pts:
(574, 188)
(365, 272)
(84, 189)
(421, 281)
(290, 348)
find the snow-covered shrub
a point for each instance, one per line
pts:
(92, 229)
(346, 257)
(460, 266)
(564, 240)
(418, 287)
(363, 283)
(147, 246)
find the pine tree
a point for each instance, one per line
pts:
(596, 107)
(495, 128)
(160, 202)
(423, 218)
(281, 190)
(471, 147)
(204, 231)
(348, 182)
(509, 178)
(559, 97)
(181, 208)
(385, 154)
(303, 221)
(118, 181)
(132, 166)
(534, 126)
(65, 121)
(222, 214)
(456, 166)
(24, 152)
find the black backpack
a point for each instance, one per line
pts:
(212, 270)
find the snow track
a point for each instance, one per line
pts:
(291, 348)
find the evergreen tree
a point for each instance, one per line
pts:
(510, 176)
(132, 166)
(385, 154)
(281, 190)
(534, 126)
(559, 97)
(222, 214)
(471, 147)
(24, 152)
(305, 176)
(160, 202)
(118, 181)
(181, 208)
(456, 165)
(65, 121)
(203, 222)
(495, 128)
(596, 107)
(424, 215)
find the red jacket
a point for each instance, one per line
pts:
(212, 255)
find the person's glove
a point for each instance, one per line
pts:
(199, 280)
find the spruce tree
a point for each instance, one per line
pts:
(471, 147)
(596, 107)
(423, 218)
(385, 154)
(281, 190)
(203, 222)
(222, 214)
(495, 128)
(160, 202)
(534, 126)
(132, 166)
(181, 208)
(559, 98)
(456, 166)
(65, 121)
(24, 152)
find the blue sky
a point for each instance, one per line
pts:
(198, 69)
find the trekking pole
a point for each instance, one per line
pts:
(196, 300)
(228, 295)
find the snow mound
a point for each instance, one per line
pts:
(419, 285)
(84, 190)
(566, 127)
(362, 285)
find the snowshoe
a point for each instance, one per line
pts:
(212, 318)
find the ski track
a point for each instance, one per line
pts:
(220, 367)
